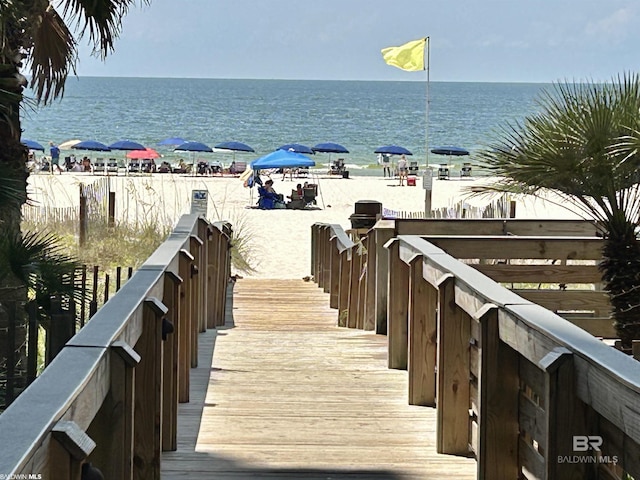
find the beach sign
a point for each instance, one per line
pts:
(199, 200)
(427, 179)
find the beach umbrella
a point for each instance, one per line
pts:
(32, 145)
(450, 150)
(234, 146)
(296, 148)
(393, 150)
(329, 147)
(172, 141)
(127, 145)
(68, 144)
(193, 147)
(140, 154)
(91, 145)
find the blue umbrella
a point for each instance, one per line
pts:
(31, 145)
(330, 147)
(449, 150)
(393, 150)
(127, 145)
(172, 141)
(234, 146)
(91, 145)
(296, 148)
(193, 147)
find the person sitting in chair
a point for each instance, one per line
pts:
(269, 199)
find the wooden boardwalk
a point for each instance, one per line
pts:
(282, 393)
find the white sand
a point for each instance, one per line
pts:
(280, 239)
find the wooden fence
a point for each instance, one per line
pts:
(524, 391)
(109, 399)
(52, 327)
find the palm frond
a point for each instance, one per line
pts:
(39, 262)
(102, 20)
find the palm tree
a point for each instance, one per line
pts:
(584, 145)
(34, 36)
(33, 32)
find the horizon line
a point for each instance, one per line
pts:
(309, 80)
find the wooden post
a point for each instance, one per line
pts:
(321, 237)
(454, 332)
(223, 276)
(184, 325)
(82, 214)
(32, 348)
(212, 277)
(314, 253)
(112, 428)
(352, 319)
(326, 260)
(362, 286)
(422, 337)
(93, 304)
(343, 292)
(112, 210)
(12, 311)
(204, 270)
(498, 397)
(370, 285)
(565, 415)
(383, 235)
(71, 446)
(397, 307)
(335, 272)
(171, 348)
(197, 320)
(60, 329)
(148, 394)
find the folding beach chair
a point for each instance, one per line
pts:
(309, 194)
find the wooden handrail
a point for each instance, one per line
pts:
(514, 382)
(90, 389)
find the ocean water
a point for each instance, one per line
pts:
(265, 114)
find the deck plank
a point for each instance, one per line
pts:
(281, 393)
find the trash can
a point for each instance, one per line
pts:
(366, 214)
(345, 174)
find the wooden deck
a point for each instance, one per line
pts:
(282, 393)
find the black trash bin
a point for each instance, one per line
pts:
(366, 214)
(345, 174)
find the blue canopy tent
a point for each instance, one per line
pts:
(281, 159)
(278, 159)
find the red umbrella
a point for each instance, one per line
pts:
(142, 154)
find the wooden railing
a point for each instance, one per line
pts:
(524, 391)
(109, 399)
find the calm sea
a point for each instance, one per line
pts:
(268, 113)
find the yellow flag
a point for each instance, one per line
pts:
(409, 56)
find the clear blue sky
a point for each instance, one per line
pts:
(471, 40)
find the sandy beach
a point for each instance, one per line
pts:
(280, 239)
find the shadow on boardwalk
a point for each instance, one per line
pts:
(286, 394)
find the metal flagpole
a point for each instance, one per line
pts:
(427, 178)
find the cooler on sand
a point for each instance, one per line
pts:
(411, 181)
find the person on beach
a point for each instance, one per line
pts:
(55, 157)
(386, 165)
(402, 170)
